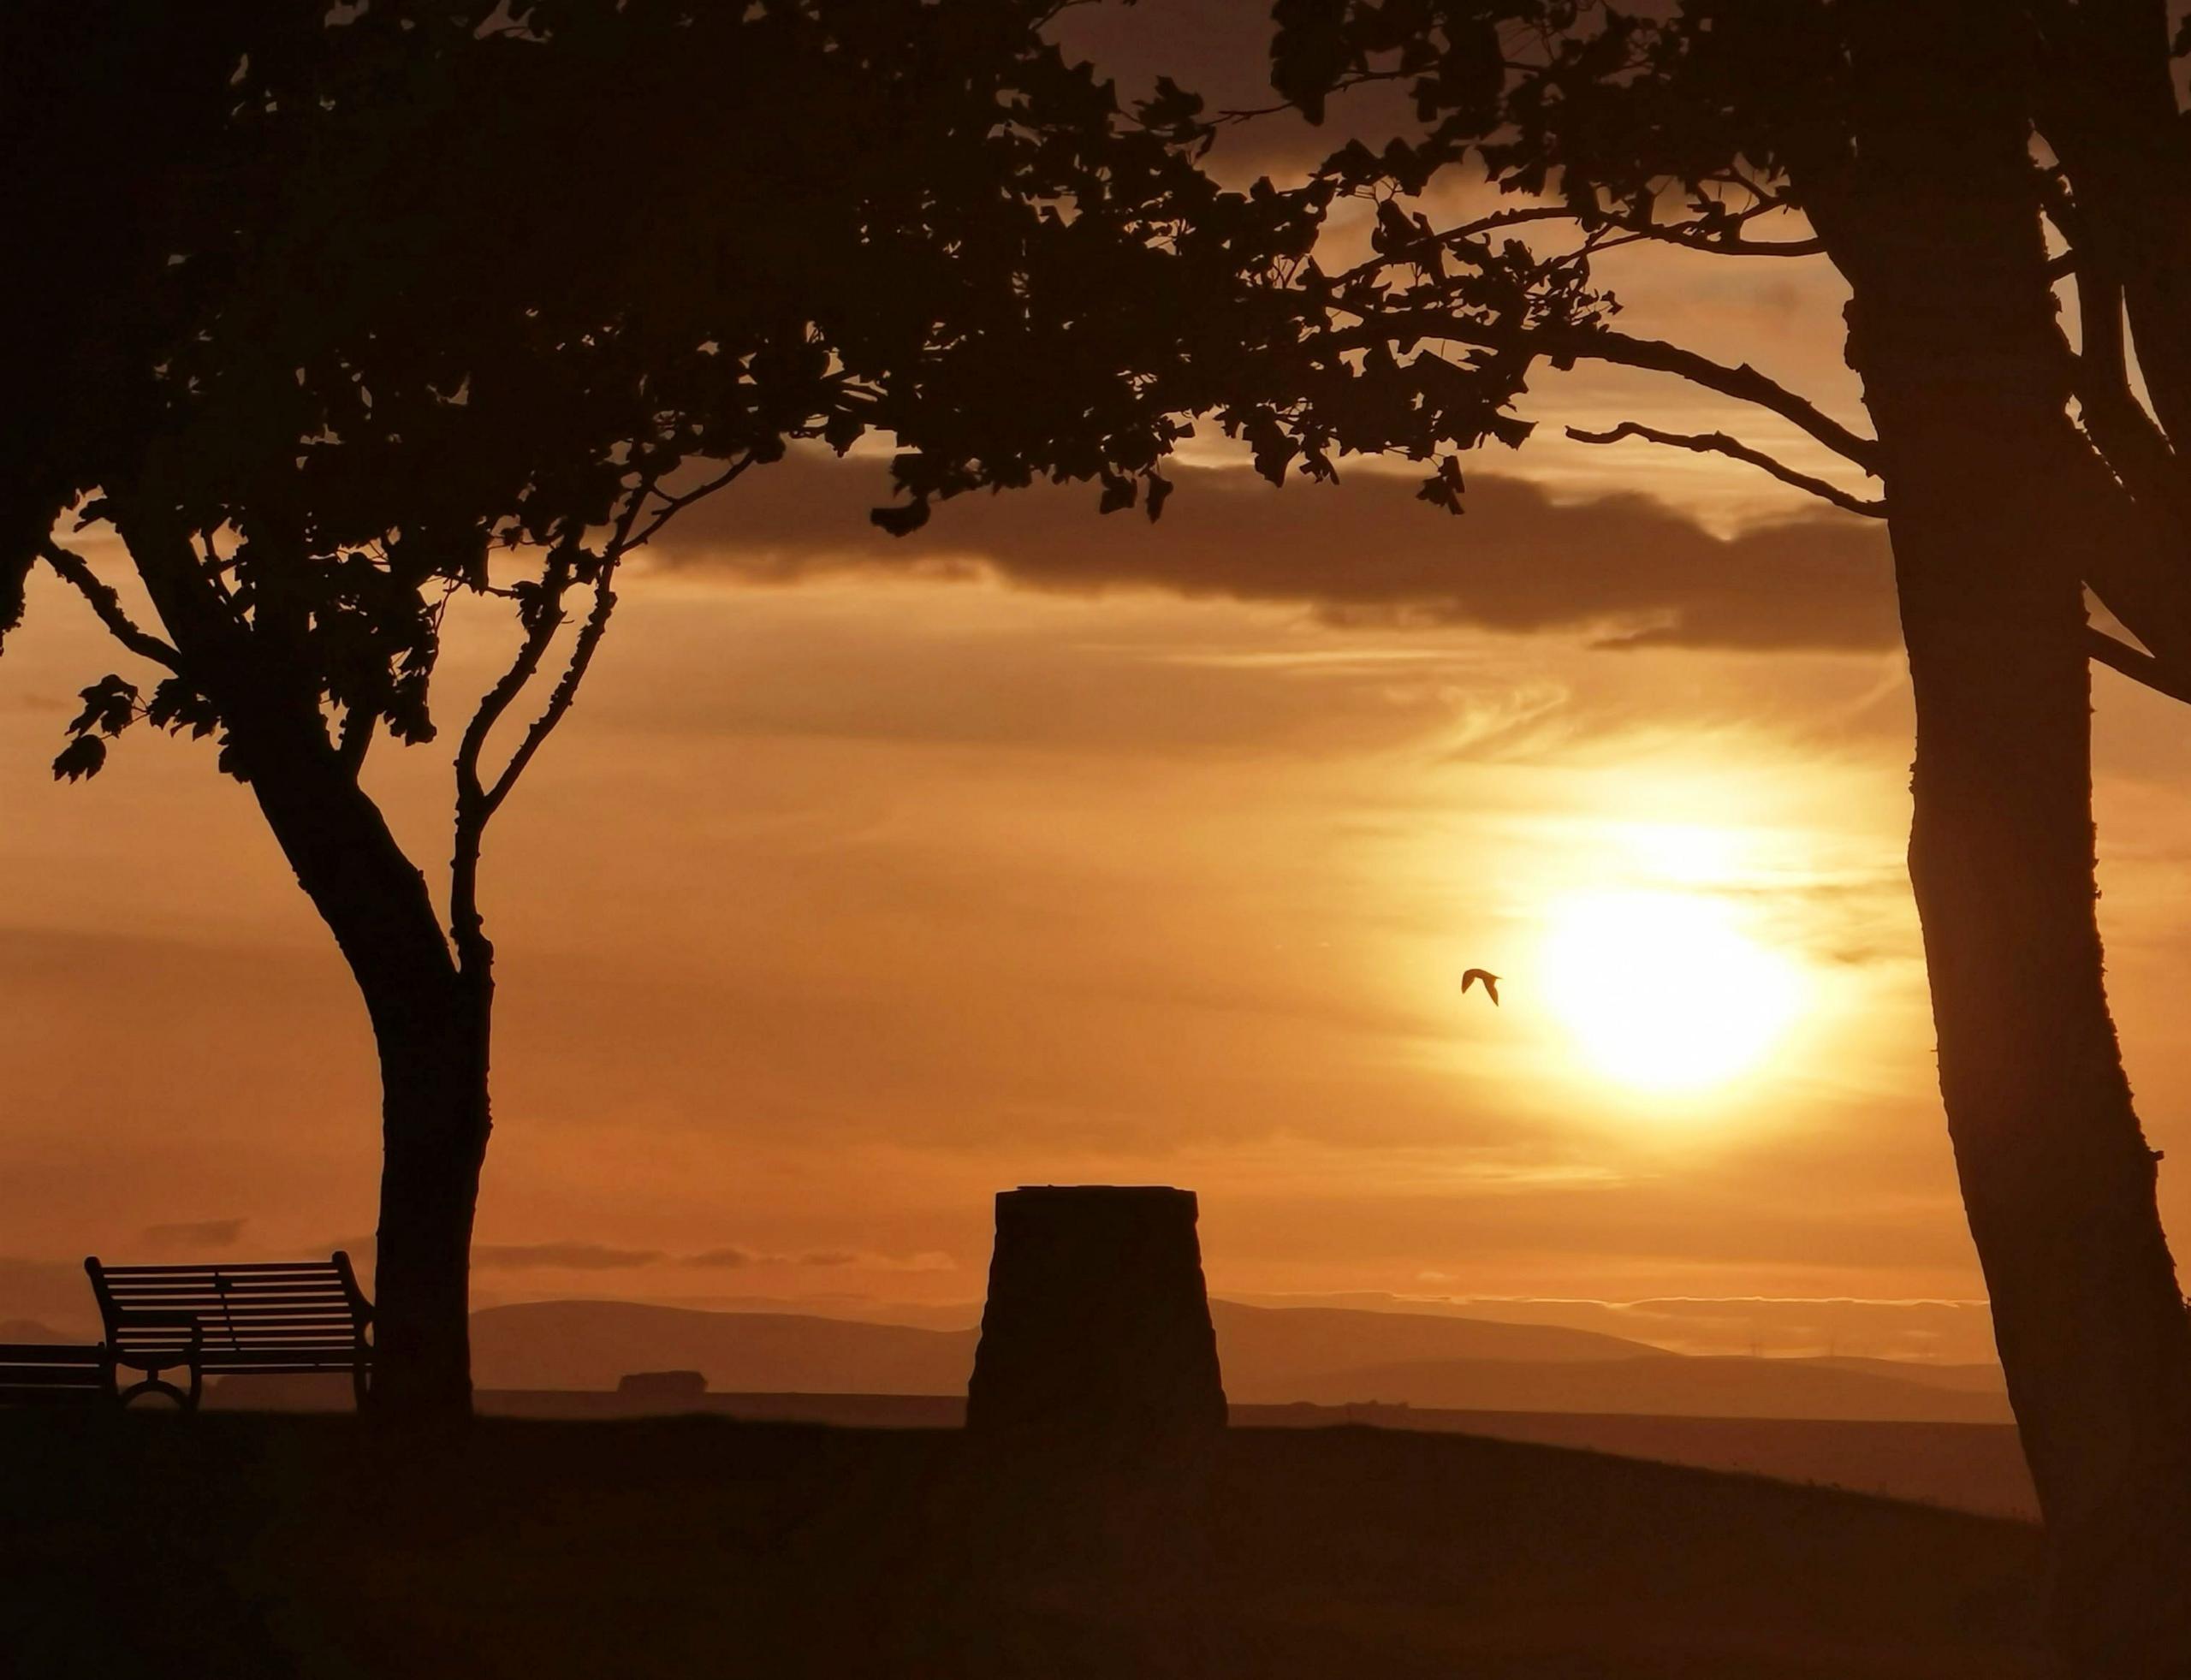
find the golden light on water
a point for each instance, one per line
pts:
(1663, 991)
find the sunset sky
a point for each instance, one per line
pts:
(869, 878)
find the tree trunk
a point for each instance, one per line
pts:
(432, 1022)
(431, 1016)
(1952, 329)
(434, 1139)
(2056, 1179)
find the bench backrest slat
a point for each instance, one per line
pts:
(258, 1309)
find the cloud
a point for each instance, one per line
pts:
(195, 1234)
(1626, 569)
(569, 1257)
(723, 1257)
(825, 1259)
(927, 1260)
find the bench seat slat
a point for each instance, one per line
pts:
(332, 1359)
(143, 1290)
(237, 1314)
(204, 1298)
(167, 1298)
(214, 1324)
(54, 1373)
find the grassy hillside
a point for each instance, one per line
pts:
(248, 1546)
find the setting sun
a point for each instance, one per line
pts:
(1663, 991)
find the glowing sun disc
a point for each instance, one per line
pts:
(1661, 991)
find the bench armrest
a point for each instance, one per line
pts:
(121, 1321)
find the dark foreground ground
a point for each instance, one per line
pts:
(1976, 1467)
(244, 1545)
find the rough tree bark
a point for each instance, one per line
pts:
(1953, 331)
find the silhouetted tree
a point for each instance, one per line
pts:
(1929, 145)
(341, 315)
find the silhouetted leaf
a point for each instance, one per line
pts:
(176, 705)
(109, 705)
(901, 520)
(82, 757)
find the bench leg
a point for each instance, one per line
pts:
(152, 1385)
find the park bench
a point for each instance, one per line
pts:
(47, 1373)
(280, 1317)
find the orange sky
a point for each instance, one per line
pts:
(863, 881)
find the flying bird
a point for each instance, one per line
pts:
(1490, 983)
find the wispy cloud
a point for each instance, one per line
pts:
(195, 1233)
(725, 1257)
(568, 1256)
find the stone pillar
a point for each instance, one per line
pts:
(1097, 1339)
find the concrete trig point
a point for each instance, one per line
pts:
(1096, 1334)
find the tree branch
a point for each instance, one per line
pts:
(672, 506)
(567, 687)
(1718, 444)
(2138, 665)
(1603, 232)
(2127, 435)
(1564, 346)
(522, 669)
(358, 725)
(1717, 247)
(473, 951)
(477, 801)
(1745, 383)
(74, 572)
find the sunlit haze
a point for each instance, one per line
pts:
(1663, 991)
(867, 878)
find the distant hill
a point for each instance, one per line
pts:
(591, 1344)
(1968, 1379)
(1271, 1355)
(1668, 1384)
(1264, 1346)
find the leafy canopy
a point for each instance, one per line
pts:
(431, 284)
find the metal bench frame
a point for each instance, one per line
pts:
(266, 1318)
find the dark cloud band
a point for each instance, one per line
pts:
(1626, 569)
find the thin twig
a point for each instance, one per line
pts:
(1562, 346)
(522, 668)
(672, 506)
(1718, 444)
(567, 687)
